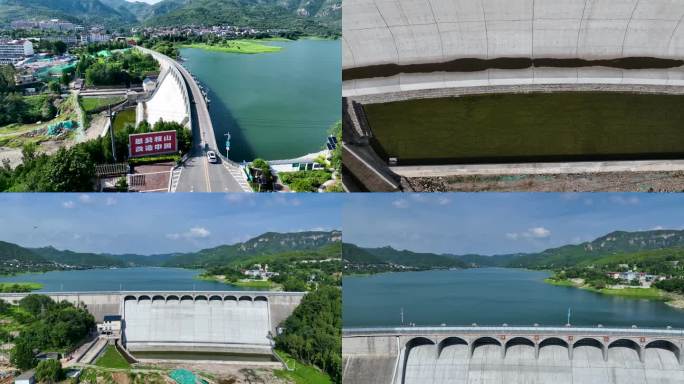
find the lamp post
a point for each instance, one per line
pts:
(111, 115)
(227, 135)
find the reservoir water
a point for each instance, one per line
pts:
(126, 279)
(275, 105)
(490, 296)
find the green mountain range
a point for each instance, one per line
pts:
(321, 17)
(614, 243)
(353, 254)
(268, 244)
(618, 245)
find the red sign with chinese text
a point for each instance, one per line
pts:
(152, 143)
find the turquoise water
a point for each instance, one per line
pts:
(127, 279)
(275, 105)
(490, 296)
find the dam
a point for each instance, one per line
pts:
(455, 88)
(222, 321)
(512, 355)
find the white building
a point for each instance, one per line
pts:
(98, 37)
(111, 325)
(27, 377)
(13, 51)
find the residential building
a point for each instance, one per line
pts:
(28, 377)
(13, 51)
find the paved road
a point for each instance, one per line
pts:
(197, 174)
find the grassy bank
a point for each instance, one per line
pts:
(634, 293)
(112, 359)
(236, 46)
(560, 283)
(19, 287)
(263, 284)
(302, 373)
(90, 104)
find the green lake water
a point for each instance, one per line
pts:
(490, 296)
(275, 105)
(127, 279)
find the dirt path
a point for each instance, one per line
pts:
(590, 182)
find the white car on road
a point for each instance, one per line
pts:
(211, 157)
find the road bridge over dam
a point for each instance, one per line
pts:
(512, 355)
(220, 321)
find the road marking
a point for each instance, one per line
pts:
(206, 173)
(175, 178)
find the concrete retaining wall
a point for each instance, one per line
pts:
(420, 31)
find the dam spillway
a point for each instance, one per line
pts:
(512, 355)
(206, 323)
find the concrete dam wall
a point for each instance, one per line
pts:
(208, 322)
(503, 356)
(381, 35)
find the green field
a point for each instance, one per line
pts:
(529, 127)
(302, 374)
(19, 287)
(90, 104)
(112, 359)
(560, 283)
(635, 293)
(236, 46)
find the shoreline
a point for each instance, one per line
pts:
(673, 300)
(236, 46)
(271, 286)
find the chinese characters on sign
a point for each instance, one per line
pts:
(153, 143)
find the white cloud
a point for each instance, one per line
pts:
(531, 233)
(110, 201)
(69, 204)
(539, 232)
(400, 203)
(624, 200)
(192, 233)
(657, 228)
(85, 199)
(443, 200)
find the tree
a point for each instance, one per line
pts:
(36, 304)
(122, 184)
(48, 110)
(49, 371)
(54, 87)
(22, 355)
(70, 170)
(313, 332)
(59, 47)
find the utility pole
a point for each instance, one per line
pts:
(110, 115)
(402, 315)
(568, 323)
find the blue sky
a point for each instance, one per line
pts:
(496, 223)
(158, 223)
